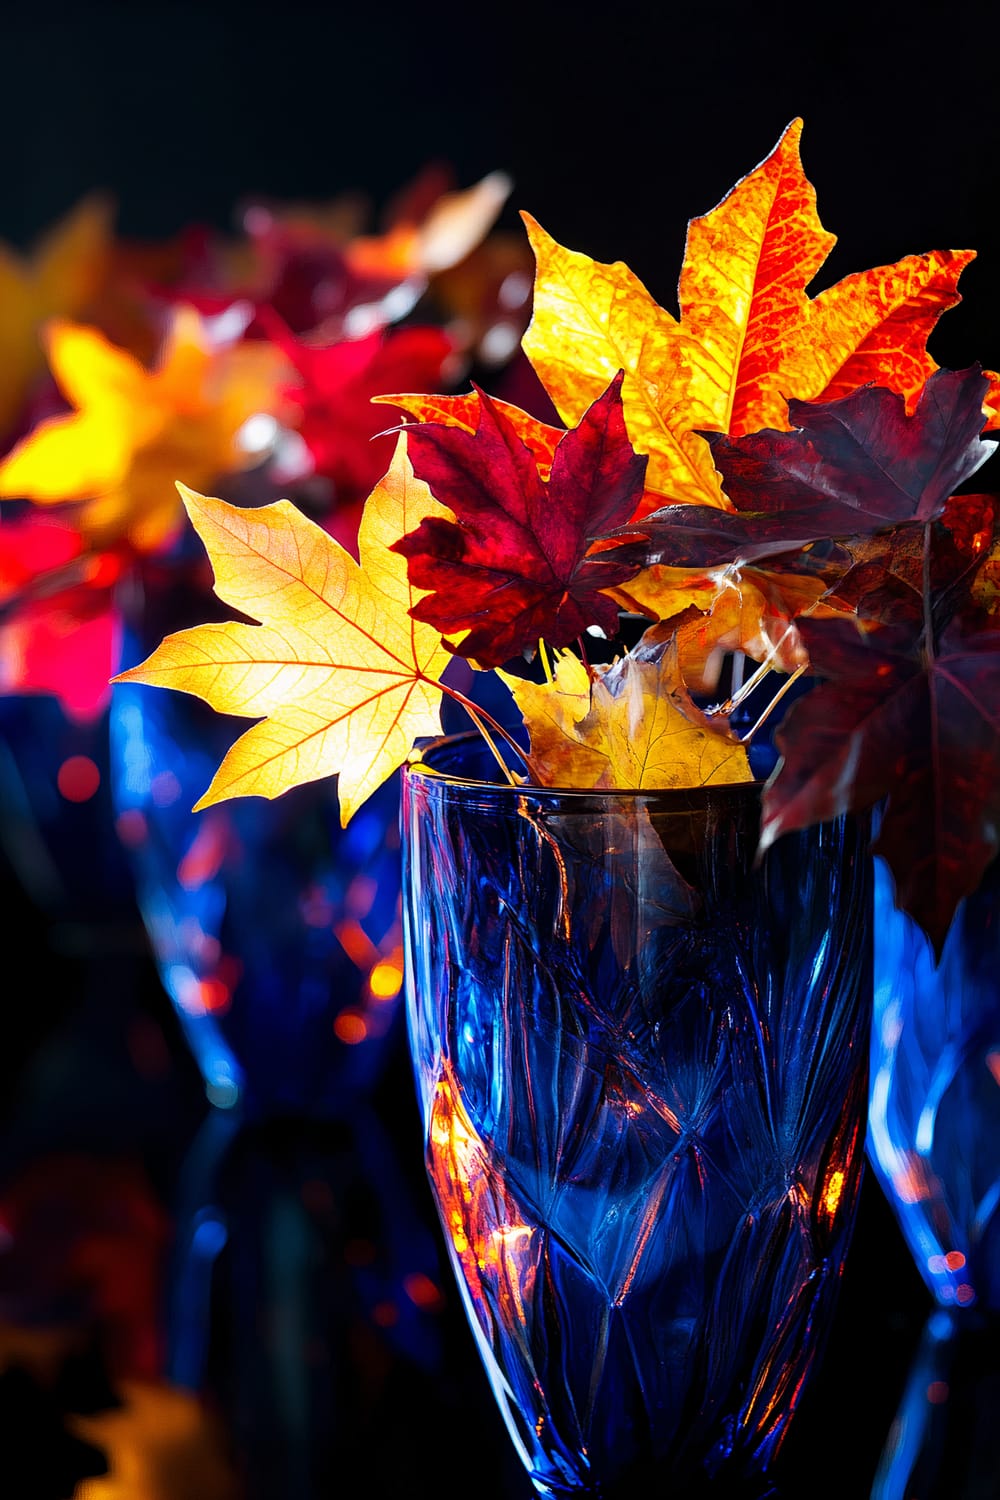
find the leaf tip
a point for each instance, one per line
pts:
(188, 495)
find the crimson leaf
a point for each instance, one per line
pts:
(848, 467)
(516, 565)
(915, 726)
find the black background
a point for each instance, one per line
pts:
(617, 124)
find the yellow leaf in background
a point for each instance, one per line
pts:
(749, 336)
(453, 226)
(636, 728)
(133, 430)
(161, 1443)
(62, 277)
(342, 679)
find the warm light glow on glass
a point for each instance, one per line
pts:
(832, 1190)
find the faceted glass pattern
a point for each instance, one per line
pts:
(277, 933)
(934, 1130)
(641, 1063)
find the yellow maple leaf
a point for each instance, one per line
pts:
(133, 429)
(633, 727)
(749, 337)
(61, 277)
(341, 678)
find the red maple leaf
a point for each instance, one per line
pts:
(848, 467)
(516, 565)
(332, 407)
(910, 713)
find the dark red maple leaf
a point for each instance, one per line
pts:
(332, 407)
(886, 581)
(516, 564)
(909, 717)
(849, 467)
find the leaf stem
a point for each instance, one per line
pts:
(929, 646)
(480, 717)
(772, 705)
(543, 653)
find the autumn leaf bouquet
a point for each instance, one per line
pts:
(244, 362)
(768, 491)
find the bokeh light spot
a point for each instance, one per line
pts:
(78, 778)
(350, 1027)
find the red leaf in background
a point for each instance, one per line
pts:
(58, 631)
(848, 467)
(514, 565)
(88, 1239)
(332, 409)
(918, 726)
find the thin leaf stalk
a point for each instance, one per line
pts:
(481, 718)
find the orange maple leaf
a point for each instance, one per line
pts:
(451, 229)
(749, 337)
(340, 676)
(62, 277)
(463, 411)
(133, 429)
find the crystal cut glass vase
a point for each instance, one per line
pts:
(642, 1066)
(276, 932)
(934, 1131)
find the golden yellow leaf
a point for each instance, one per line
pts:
(133, 430)
(161, 1443)
(341, 678)
(633, 727)
(62, 277)
(591, 320)
(749, 336)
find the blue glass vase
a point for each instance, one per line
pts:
(642, 1065)
(277, 933)
(934, 1128)
(934, 1144)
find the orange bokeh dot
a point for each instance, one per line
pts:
(423, 1292)
(350, 1027)
(78, 778)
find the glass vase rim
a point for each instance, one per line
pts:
(676, 799)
